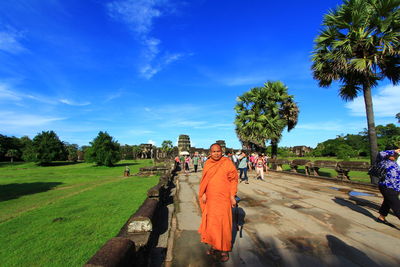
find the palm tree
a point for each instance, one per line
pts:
(398, 116)
(167, 147)
(359, 46)
(263, 113)
(12, 153)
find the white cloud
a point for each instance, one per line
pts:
(73, 103)
(9, 42)
(386, 103)
(7, 94)
(113, 96)
(14, 119)
(151, 142)
(139, 15)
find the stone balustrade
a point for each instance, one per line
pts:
(312, 167)
(130, 247)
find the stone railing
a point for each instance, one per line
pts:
(132, 244)
(312, 167)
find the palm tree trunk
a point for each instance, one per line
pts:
(274, 149)
(373, 142)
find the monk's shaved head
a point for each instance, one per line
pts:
(216, 144)
(216, 151)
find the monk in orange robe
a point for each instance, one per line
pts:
(217, 192)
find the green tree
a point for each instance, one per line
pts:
(104, 150)
(263, 113)
(12, 153)
(72, 151)
(167, 147)
(136, 150)
(398, 117)
(359, 46)
(28, 153)
(47, 147)
(126, 152)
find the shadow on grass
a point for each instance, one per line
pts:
(7, 163)
(11, 191)
(61, 163)
(125, 164)
(326, 174)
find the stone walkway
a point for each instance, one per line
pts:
(292, 221)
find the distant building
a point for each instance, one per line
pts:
(147, 151)
(301, 151)
(184, 143)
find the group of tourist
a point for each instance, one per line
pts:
(218, 188)
(185, 162)
(255, 162)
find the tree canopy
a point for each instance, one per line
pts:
(103, 150)
(358, 46)
(47, 147)
(263, 113)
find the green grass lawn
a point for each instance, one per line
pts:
(354, 175)
(61, 215)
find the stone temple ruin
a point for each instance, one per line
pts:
(183, 143)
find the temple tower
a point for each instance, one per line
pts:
(183, 143)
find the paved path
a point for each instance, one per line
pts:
(292, 221)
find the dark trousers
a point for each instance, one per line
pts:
(195, 168)
(390, 201)
(243, 171)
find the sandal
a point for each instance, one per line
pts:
(210, 252)
(224, 256)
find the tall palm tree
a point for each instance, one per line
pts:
(263, 113)
(358, 46)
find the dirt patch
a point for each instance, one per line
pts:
(249, 202)
(306, 244)
(291, 196)
(262, 193)
(296, 206)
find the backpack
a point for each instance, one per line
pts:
(378, 170)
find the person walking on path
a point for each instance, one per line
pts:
(217, 192)
(243, 162)
(195, 162)
(187, 162)
(260, 163)
(390, 184)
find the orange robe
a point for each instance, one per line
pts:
(219, 183)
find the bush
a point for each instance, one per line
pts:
(104, 150)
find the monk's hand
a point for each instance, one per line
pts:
(204, 198)
(233, 201)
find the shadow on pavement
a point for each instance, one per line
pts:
(341, 249)
(238, 216)
(352, 206)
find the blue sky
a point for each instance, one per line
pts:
(149, 70)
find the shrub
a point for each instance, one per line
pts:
(104, 150)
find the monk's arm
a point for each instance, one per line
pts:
(233, 180)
